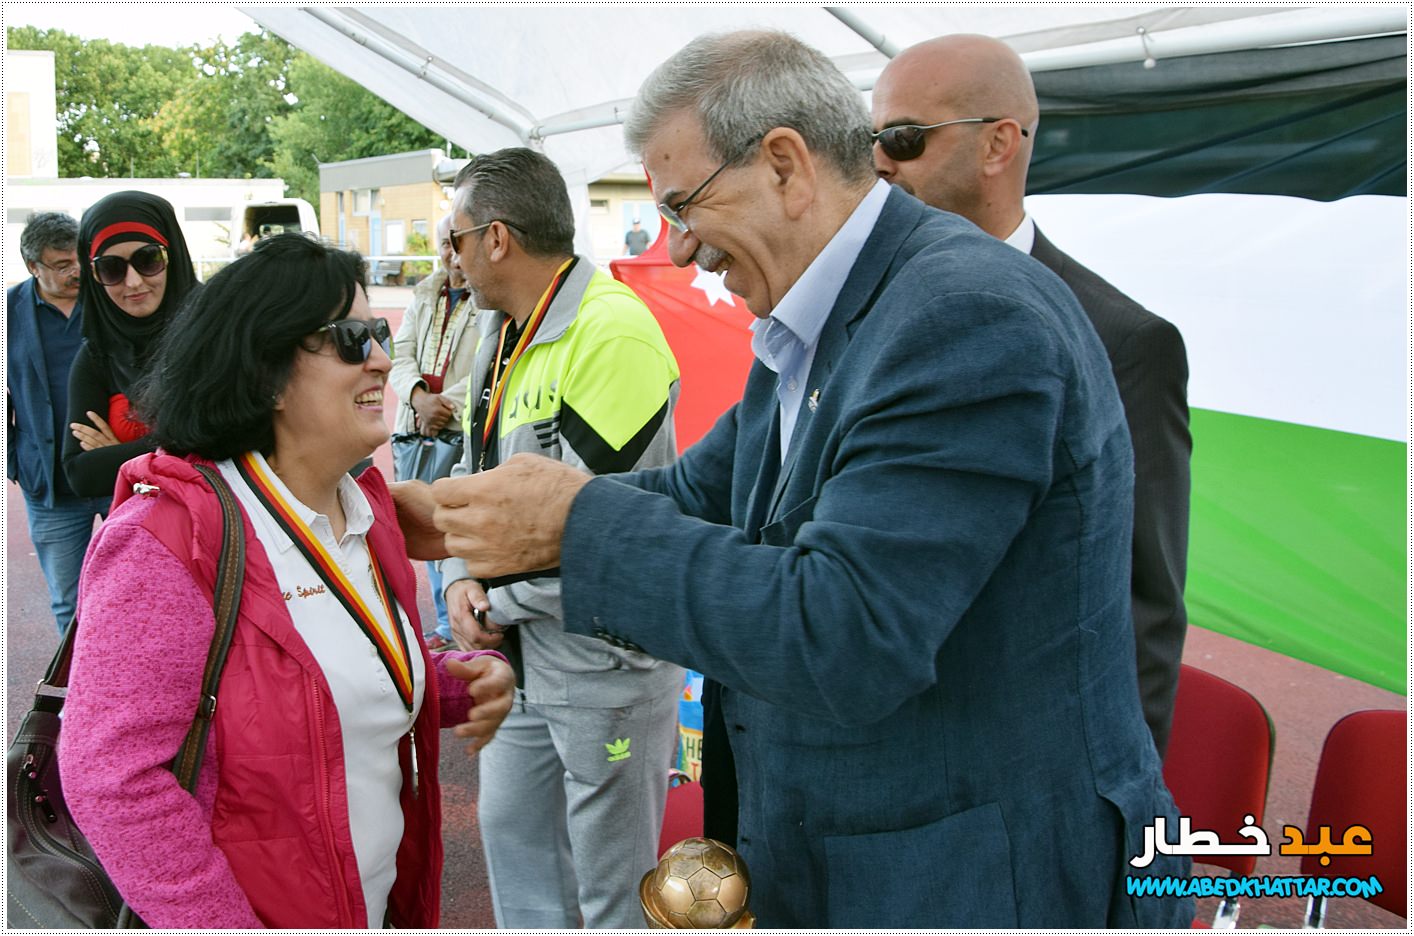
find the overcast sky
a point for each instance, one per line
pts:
(136, 24)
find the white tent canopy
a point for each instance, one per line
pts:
(563, 76)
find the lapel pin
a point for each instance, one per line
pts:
(814, 400)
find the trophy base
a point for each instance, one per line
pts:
(747, 920)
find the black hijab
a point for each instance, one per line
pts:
(124, 342)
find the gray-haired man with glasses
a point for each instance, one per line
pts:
(904, 554)
(44, 328)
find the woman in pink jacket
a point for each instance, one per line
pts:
(317, 804)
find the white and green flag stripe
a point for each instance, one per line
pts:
(1294, 313)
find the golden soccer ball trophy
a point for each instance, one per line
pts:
(699, 883)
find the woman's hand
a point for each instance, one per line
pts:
(91, 438)
(491, 683)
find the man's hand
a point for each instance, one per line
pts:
(99, 435)
(415, 506)
(434, 410)
(467, 605)
(492, 684)
(509, 519)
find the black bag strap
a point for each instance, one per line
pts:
(230, 576)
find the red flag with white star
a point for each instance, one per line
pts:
(707, 327)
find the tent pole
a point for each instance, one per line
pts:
(872, 36)
(421, 68)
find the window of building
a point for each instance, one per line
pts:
(599, 206)
(363, 201)
(394, 240)
(420, 227)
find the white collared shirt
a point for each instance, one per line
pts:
(1024, 237)
(786, 340)
(372, 718)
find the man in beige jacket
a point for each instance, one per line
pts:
(432, 360)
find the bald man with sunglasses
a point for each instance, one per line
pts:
(954, 120)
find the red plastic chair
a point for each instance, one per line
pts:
(682, 819)
(1218, 765)
(1362, 779)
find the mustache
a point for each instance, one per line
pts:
(708, 256)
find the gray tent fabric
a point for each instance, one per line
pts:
(1322, 121)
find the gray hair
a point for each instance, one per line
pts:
(743, 85)
(524, 189)
(52, 230)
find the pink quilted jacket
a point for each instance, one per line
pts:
(266, 841)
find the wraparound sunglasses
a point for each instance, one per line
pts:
(353, 338)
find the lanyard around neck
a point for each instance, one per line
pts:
(500, 375)
(392, 648)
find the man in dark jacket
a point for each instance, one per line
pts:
(44, 331)
(956, 120)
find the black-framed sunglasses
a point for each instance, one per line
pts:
(907, 141)
(456, 236)
(353, 338)
(148, 260)
(673, 213)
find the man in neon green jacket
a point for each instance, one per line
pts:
(573, 367)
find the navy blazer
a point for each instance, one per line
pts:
(922, 618)
(29, 417)
(1150, 366)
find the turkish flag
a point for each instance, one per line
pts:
(707, 327)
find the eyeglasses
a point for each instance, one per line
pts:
(64, 269)
(673, 213)
(353, 338)
(907, 141)
(149, 260)
(456, 236)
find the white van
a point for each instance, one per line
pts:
(251, 221)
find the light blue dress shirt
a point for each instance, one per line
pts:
(786, 340)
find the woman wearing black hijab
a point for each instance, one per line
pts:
(136, 271)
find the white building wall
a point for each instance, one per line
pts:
(31, 134)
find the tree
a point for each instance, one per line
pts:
(257, 108)
(108, 94)
(222, 128)
(336, 119)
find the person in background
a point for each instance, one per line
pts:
(43, 331)
(432, 356)
(136, 272)
(904, 553)
(930, 142)
(636, 240)
(573, 366)
(317, 805)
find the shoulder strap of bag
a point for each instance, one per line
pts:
(230, 576)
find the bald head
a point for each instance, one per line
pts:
(975, 169)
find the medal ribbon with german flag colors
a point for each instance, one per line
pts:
(392, 648)
(501, 375)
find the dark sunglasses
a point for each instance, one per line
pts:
(456, 236)
(353, 338)
(149, 260)
(907, 141)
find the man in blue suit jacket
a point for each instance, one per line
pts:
(44, 328)
(905, 553)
